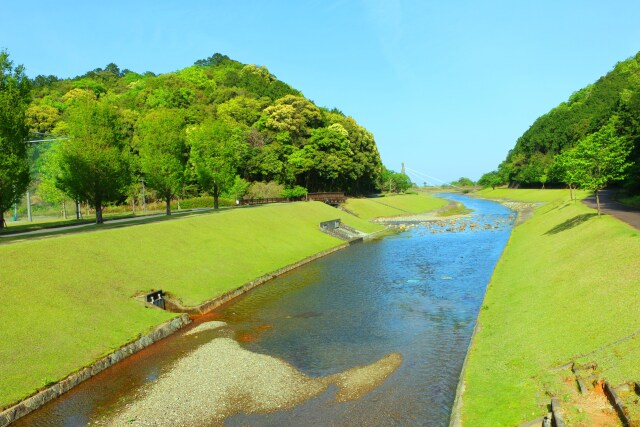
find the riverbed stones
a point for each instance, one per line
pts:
(206, 326)
(220, 379)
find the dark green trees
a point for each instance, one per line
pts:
(217, 151)
(14, 101)
(160, 140)
(533, 161)
(94, 164)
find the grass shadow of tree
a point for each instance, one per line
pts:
(571, 223)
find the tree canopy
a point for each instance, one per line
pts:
(14, 102)
(612, 102)
(199, 129)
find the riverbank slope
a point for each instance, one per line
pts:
(565, 290)
(69, 300)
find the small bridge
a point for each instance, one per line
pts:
(328, 198)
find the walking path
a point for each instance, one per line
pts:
(64, 228)
(624, 213)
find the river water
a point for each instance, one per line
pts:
(416, 293)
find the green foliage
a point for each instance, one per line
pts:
(275, 134)
(463, 182)
(162, 151)
(14, 101)
(264, 190)
(94, 165)
(217, 151)
(394, 182)
(533, 161)
(294, 192)
(491, 179)
(600, 158)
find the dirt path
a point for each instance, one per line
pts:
(624, 213)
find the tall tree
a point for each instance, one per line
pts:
(600, 159)
(14, 165)
(217, 151)
(94, 164)
(160, 139)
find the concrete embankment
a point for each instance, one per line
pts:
(49, 393)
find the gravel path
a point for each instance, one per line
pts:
(220, 379)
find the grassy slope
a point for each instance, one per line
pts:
(66, 301)
(567, 285)
(401, 204)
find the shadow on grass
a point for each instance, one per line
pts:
(570, 223)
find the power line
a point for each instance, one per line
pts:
(424, 175)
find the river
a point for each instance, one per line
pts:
(416, 293)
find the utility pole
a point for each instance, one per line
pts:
(144, 200)
(29, 206)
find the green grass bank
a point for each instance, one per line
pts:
(567, 288)
(68, 300)
(394, 205)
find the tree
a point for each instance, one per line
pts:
(14, 165)
(393, 181)
(600, 158)
(463, 182)
(217, 151)
(94, 164)
(564, 169)
(160, 139)
(491, 179)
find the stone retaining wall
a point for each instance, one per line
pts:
(37, 400)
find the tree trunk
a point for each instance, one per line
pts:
(99, 219)
(216, 195)
(570, 192)
(168, 199)
(598, 201)
(64, 208)
(3, 224)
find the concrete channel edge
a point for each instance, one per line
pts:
(34, 402)
(163, 330)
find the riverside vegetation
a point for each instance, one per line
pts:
(56, 321)
(565, 290)
(590, 140)
(216, 128)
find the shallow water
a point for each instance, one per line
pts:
(416, 293)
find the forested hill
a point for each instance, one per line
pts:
(613, 100)
(268, 130)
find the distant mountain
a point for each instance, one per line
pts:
(287, 138)
(614, 97)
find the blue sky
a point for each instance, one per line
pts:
(445, 86)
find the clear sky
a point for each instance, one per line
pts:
(445, 86)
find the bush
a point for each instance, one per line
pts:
(265, 190)
(297, 191)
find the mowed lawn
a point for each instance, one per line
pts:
(68, 300)
(567, 285)
(395, 205)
